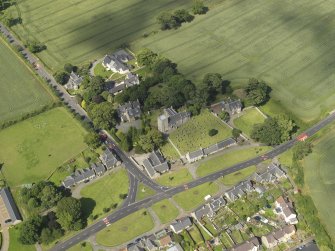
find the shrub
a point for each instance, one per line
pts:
(212, 132)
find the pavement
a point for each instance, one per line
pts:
(170, 192)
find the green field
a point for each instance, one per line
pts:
(247, 119)
(165, 211)
(175, 178)
(95, 195)
(14, 243)
(194, 197)
(96, 28)
(226, 160)
(287, 44)
(125, 229)
(31, 150)
(234, 178)
(144, 191)
(194, 133)
(20, 91)
(320, 179)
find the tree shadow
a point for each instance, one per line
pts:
(88, 205)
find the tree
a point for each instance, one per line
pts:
(68, 67)
(103, 115)
(122, 196)
(183, 16)
(92, 139)
(167, 21)
(212, 132)
(225, 116)
(198, 7)
(36, 47)
(146, 57)
(257, 92)
(50, 195)
(236, 133)
(302, 149)
(33, 203)
(61, 77)
(30, 230)
(152, 140)
(69, 213)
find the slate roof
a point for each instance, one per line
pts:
(177, 118)
(239, 190)
(219, 146)
(196, 154)
(10, 205)
(181, 224)
(155, 163)
(232, 106)
(129, 110)
(176, 247)
(76, 79)
(272, 173)
(123, 55)
(270, 239)
(215, 204)
(114, 62)
(98, 168)
(203, 211)
(108, 159)
(69, 182)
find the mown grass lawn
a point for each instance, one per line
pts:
(246, 121)
(83, 246)
(20, 91)
(14, 244)
(226, 160)
(169, 151)
(165, 211)
(194, 133)
(234, 178)
(31, 150)
(144, 191)
(99, 70)
(191, 198)
(105, 192)
(125, 229)
(196, 235)
(175, 178)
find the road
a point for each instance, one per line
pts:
(43, 73)
(169, 192)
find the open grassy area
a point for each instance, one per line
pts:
(83, 246)
(99, 70)
(194, 197)
(169, 151)
(165, 211)
(14, 243)
(247, 119)
(96, 28)
(175, 178)
(31, 150)
(144, 191)
(320, 179)
(226, 160)
(125, 229)
(105, 192)
(234, 178)
(20, 91)
(286, 44)
(194, 133)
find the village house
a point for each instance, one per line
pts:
(238, 191)
(79, 176)
(179, 225)
(272, 174)
(130, 80)
(117, 62)
(98, 168)
(109, 159)
(171, 119)
(279, 236)
(129, 111)
(9, 213)
(175, 247)
(250, 245)
(74, 82)
(285, 210)
(210, 208)
(230, 106)
(155, 164)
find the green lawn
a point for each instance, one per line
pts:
(169, 151)
(234, 178)
(194, 197)
(226, 160)
(96, 29)
(320, 179)
(105, 192)
(125, 229)
(14, 244)
(175, 178)
(248, 118)
(31, 150)
(194, 133)
(288, 44)
(99, 70)
(144, 191)
(196, 235)
(165, 211)
(20, 91)
(83, 246)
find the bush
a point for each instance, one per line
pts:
(61, 77)
(212, 132)
(199, 8)
(36, 47)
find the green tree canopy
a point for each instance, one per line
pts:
(103, 115)
(92, 139)
(30, 230)
(69, 213)
(257, 92)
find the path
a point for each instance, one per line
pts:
(174, 146)
(5, 238)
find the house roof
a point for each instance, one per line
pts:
(76, 79)
(176, 118)
(108, 158)
(218, 146)
(246, 246)
(270, 238)
(279, 234)
(123, 55)
(176, 247)
(200, 213)
(10, 205)
(215, 204)
(69, 182)
(161, 168)
(272, 173)
(231, 106)
(289, 229)
(182, 224)
(148, 166)
(98, 167)
(165, 241)
(132, 108)
(131, 79)
(196, 154)
(217, 108)
(155, 163)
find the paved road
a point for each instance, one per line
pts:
(43, 73)
(131, 197)
(168, 193)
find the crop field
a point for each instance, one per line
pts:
(83, 30)
(32, 149)
(286, 43)
(320, 179)
(194, 133)
(20, 91)
(248, 119)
